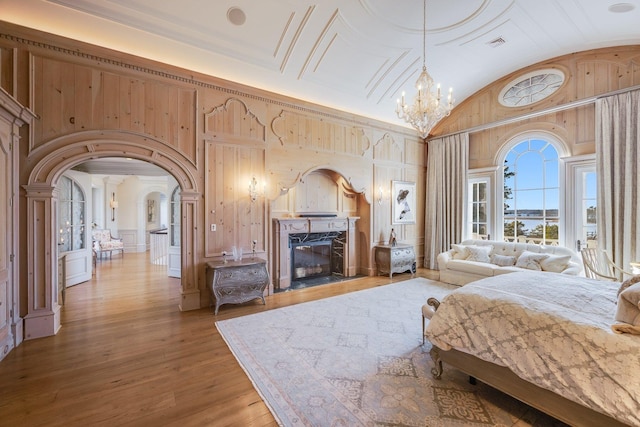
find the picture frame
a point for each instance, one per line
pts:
(151, 210)
(403, 202)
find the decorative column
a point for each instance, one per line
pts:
(43, 310)
(282, 227)
(351, 254)
(190, 296)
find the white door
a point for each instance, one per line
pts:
(74, 239)
(588, 206)
(174, 268)
(6, 239)
(581, 204)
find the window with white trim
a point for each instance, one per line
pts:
(531, 194)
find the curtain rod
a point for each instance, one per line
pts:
(549, 110)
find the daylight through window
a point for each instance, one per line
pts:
(531, 193)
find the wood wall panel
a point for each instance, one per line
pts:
(238, 220)
(234, 121)
(297, 129)
(7, 67)
(73, 98)
(387, 148)
(398, 160)
(414, 152)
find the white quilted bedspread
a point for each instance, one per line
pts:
(550, 329)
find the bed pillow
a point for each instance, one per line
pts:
(628, 311)
(633, 280)
(503, 260)
(459, 252)
(479, 253)
(555, 263)
(531, 260)
(629, 305)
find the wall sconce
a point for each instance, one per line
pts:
(253, 189)
(380, 195)
(114, 204)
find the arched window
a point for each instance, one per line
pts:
(531, 193)
(71, 215)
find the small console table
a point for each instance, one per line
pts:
(395, 259)
(235, 282)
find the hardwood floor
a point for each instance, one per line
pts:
(126, 356)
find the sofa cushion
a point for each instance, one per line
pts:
(473, 267)
(555, 263)
(503, 260)
(531, 260)
(459, 252)
(479, 253)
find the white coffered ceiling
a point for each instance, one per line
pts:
(353, 55)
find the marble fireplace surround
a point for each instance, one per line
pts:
(283, 227)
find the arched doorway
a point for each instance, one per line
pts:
(50, 161)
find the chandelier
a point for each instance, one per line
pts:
(426, 109)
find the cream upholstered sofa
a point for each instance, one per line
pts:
(476, 259)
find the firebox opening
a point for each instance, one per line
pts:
(311, 260)
(316, 255)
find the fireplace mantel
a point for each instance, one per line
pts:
(283, 227)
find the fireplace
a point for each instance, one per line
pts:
(311, 247)
(316, 254)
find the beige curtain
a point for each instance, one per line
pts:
(618, 167)
(446, 189)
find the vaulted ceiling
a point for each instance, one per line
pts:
(353, 55)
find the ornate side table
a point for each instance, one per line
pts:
(235, 282)
(395, 259)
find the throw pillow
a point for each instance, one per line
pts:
(629, 305)
(459, 252)
(555, 263)
(503, 260)
(531, 260)
(628, 282)
(479, 253)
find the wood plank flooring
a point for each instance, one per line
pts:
(126, 356)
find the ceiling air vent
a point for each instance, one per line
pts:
(497, 42)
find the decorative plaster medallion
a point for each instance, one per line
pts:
(531, 87)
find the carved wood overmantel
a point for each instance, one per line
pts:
(283, 227)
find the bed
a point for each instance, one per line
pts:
(545, 339)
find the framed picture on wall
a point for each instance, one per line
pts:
(403, 202)
(151, 210)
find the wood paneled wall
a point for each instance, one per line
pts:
(588, 74)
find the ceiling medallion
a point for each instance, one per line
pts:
(426, 109)
(531, 87)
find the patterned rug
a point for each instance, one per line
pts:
(358, 360)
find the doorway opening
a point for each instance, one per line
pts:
(135, 203)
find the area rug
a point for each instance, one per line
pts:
(358, 360)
